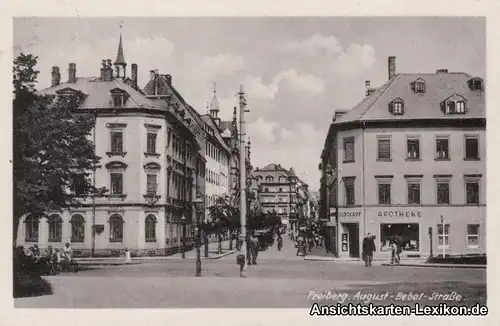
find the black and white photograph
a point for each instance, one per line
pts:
(331, 164)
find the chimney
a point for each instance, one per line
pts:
(56, 76)
(338, 114)
(367, 85)
(169, 79)
(134, 75)
(442, 71)
(106, 70)
(72, 73)
(392, 67)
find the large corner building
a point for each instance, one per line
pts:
(158, 155)
(409, 160)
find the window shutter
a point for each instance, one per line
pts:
(391, 107)
(384, 149)
(413, 86)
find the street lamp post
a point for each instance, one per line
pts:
(183, 221)
(198, 204)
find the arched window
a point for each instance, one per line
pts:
(77, 228)
(269, 178)
(150, 228)
(55, 228)
(115, 228)
(31, 227)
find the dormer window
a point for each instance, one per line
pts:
(455, 104)
(119, 97)
(117, 101)
(396, 107)
(418, 86)
(476, 84)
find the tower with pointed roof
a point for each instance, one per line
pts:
(120, 64)
(214, 105)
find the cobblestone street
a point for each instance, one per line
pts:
(280, 280)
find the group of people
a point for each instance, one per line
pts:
(51, 259)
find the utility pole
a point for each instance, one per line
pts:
(243, 208)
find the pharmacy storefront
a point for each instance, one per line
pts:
(456, 230)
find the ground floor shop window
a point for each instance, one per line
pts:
(407, 233)
(473, 235)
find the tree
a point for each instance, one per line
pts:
(53, 155)
(224, 216)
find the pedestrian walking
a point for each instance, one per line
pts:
(368, 249)
(280, 242)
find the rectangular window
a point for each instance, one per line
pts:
(413, 193)
(443, 192)
(151, 184)
(471, 148)
(384, 193)
(349, 149)
(443, 237)
(442, 148)
(413, 149)
(349, 191)
(472, 190)
(151, 146)
(384, 149)
(116, 141)
(116, 183)
(473, 235)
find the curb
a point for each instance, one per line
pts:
(437, 266)
(97, 263)
(321, 258)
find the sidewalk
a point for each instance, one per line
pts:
(191, 254)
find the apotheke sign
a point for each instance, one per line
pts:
(400, 213)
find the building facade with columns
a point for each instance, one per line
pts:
(152, 145)
(410, 161)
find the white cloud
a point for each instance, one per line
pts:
(303, 83)
(286, 134)
(262, 131)
(314, 45)
(256, 89)
(356, 58)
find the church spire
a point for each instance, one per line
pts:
(214, 105)
(120, 63)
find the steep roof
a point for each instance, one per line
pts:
(119, 56)
(98, 94)
(210, 122)
(227, 125)
(438, 87)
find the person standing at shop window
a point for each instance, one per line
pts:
(368, 249)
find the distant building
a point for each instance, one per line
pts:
(281, 191)
(412, 151)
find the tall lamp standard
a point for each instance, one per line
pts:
(291, 179)
(183, 221)
(198, 205)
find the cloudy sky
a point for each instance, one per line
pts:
(296, 71)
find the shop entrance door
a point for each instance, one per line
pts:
(353, 231)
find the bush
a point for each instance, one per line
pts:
(458, 259)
